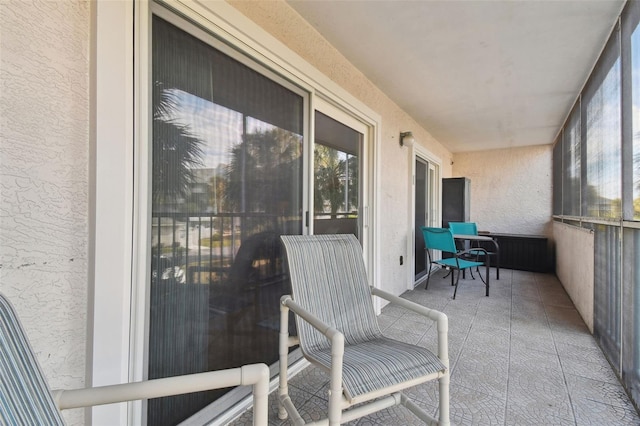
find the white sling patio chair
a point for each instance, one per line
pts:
(338, 331)
(25, 397)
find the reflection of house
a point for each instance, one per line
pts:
(167, 232)
(74, 226)
(201, 190)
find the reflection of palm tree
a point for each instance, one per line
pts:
(329, 179)
(175, 150)
(261, 173)
(354, 195)
(636, 163)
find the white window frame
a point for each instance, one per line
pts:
(418, 151)
(120, 70)
(336, 113)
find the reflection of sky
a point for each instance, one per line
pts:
(256, 126)
(635, 84)
(220, 128)
(635, 78)
(603, 136)
(572, 135)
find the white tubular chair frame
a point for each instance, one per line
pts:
(27, 398)
(337, 401)
(256, 375)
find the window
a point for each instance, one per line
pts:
(635, 94)
(571, 184)
(601, 146)
(602, 114)
(557, 177)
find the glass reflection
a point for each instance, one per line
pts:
(226, 183)
(604, 148)
(635, 96)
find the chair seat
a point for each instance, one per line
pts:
(380, 363)
(464, 264)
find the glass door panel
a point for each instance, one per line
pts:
(420, 217)
(425, 210)
(227, 170)
(336, 182)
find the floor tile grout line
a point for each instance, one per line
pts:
(464, 341)
(506, 398)
(557, 353)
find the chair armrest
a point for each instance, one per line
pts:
(317, 323)
(460, 253)
(442, 322)
(337, 347)
(253, 374)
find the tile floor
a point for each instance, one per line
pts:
(522, 356)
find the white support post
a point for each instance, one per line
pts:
(283, 348)
(335, 388)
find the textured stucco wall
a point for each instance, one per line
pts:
(281, 21)
(44, 179)
(574, 266)
(511, 189)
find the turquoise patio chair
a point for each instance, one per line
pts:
(471, 228)
(442, 239)
(25, 397)
(339, 333)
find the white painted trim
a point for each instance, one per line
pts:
(141, 240)
(375, 162)
(114, 115)
(418, 151)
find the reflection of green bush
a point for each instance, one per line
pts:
(214, 241)
(606, 209)
(173, 248)
(170, 250)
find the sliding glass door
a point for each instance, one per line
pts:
(425, 210)
(227, 181)
(232, 169)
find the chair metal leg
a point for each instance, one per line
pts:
(480, 275)
(426, 286)
(447, 274)
(471, 272)
(429, 268)
(457, 280)
(487, 266)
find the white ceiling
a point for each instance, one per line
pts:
(476, 74)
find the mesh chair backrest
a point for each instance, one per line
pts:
(328, 279)
(463, 228)
(25, 398)
(439, 239)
